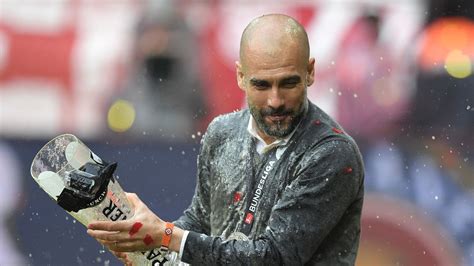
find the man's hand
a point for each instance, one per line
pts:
(123, 257)
(142, 232)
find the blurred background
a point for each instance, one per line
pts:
(138, 81)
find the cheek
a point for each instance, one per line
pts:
(295, 98)
(256, 99)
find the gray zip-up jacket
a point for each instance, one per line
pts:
(310, 208)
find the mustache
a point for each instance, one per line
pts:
(280, 111)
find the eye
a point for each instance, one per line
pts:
(260, 84)
(291, 82)
(289, 85)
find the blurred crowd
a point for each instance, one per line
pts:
(397, 75)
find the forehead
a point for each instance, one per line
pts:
(279, 64)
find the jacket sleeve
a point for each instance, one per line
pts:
(196, 216)
(326, 183)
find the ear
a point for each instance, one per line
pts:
(310, 70)
(240, 75)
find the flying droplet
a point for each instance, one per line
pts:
(458, 64)
(121, 116)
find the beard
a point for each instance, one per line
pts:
(281, 128)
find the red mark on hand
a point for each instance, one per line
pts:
(337, 130)
(347, 170)
(135, 228)
(317, 122)
(249, 218)
(237, 196)
(148, 240)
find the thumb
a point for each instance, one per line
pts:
(133, 199)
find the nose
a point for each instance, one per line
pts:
(275, 99)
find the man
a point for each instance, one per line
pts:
(279, 183)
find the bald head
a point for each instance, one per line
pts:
(272, 35)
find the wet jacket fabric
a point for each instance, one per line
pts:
(310, 208)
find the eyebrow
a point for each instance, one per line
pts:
(291, 79)
(259, 82)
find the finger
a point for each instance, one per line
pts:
(131, 246)
(106, 243)
(134, 199)
(109, 244)
(128, 262)
(120, 255)
(108, 236)
(112, 246)
(131, 196)
(109, 226)
(123, 257)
